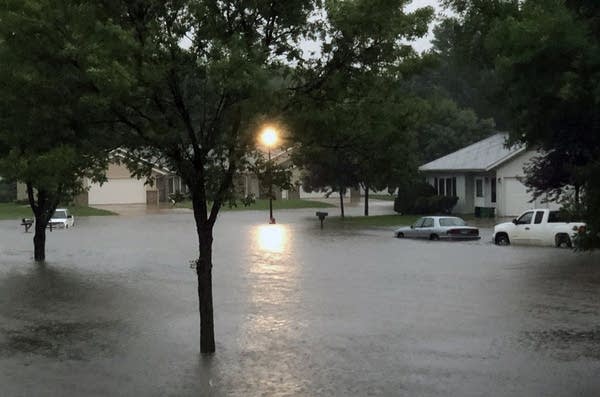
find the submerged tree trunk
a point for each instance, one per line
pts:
(342, 202)
(39, 238)
(205, 297)
(42, 209)
(204, 229)
(366, 200)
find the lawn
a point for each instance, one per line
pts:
(17, 211)
(375, 221)
(263, 204)
(384, 197)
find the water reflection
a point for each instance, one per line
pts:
(272, 238)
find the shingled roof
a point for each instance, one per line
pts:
(481, 156)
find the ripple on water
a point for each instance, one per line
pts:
(565, 344)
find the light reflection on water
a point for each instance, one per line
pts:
(274, 283)
(272, 238)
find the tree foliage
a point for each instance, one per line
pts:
(51, 133)
(545, 59)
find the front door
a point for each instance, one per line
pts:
(426, 229)
(479, 193)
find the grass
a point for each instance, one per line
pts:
(384, 197)
(376, 221)
(17, 211)
(263, 204)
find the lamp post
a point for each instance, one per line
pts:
(269, 138)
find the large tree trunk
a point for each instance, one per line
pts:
(366, 200)
(39, 239)
(204, 229)
(342, 202)
(205, 298)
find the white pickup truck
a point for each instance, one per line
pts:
(538, 227)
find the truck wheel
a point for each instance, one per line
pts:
(563, 241)
(502, 239)
(400, 235)
(434, 237)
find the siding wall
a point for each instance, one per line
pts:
(513, 196)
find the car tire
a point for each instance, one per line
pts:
(502, 239)
(563, 241)
(434, 237)
(400, 235)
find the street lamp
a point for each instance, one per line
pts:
(269, 138)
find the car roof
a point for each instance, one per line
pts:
(441, 216)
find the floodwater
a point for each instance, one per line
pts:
(298, 311)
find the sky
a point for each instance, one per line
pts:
(424, 43)
(419, 45)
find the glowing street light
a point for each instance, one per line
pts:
(269, 138)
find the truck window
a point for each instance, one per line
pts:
(556, 217)
(539, 215)
(525, 219)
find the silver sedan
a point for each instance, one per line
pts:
(439, 227)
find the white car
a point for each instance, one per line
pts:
(538, 227)
(62, 218)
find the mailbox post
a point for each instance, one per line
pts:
(322, 216)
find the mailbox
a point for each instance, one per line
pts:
(322, 216)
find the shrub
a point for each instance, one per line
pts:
(425, 205)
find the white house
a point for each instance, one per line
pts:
(485, 175)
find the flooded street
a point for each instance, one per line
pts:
(298, 311)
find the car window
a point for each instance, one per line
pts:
(419, 222)
(60, 214)
(452, 222)
(428, 222)
(525, 219)
(539, 215)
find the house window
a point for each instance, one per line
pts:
(454, 186)
(435, 184)
(493, 190)
(442, 187)
(479, 187)
(448, 186)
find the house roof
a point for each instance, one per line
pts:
(484, 155)
(156, 164)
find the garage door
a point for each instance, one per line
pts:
(118, 191)
(516, 197)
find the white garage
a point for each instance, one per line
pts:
(517, 197)
(118, 191)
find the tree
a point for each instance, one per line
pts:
(50, 135)
(190, 82)
(546, 59)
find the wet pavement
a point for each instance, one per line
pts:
(298, 311)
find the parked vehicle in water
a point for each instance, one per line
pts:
(62, 218)
(439, 227)
(538, 227)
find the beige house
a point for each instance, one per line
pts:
(122, 188)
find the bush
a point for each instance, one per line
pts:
(407, 197)
(425, 204)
